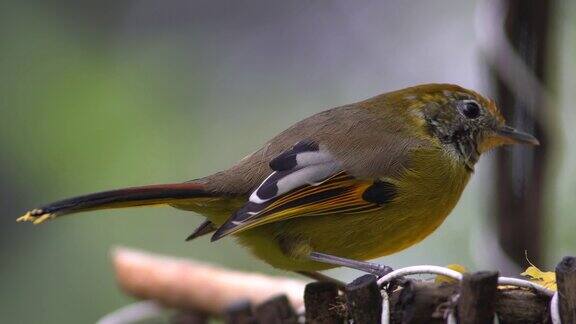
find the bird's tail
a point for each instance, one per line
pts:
(164, 194)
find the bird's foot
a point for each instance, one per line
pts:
(36, 216)
(376, 269)
(380, 270)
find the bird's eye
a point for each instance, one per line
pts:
(470, 109)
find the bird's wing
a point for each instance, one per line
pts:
(306, 181)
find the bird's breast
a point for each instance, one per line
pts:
(425, 194)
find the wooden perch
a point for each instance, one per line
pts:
(477, 299)
(321, 300)
(566, 280)
(364, 301)
(242, 298)
(239, 313)
(190, 285)
(426, 302)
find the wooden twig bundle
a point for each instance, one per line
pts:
(196, 289)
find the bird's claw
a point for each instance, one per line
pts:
(381, 270)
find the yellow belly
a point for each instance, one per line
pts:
(427, 193)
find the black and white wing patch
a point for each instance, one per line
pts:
(306, 180)
(304, 164)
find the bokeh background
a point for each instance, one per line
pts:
(103, 94)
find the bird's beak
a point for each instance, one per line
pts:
(510, 135)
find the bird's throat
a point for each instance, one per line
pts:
(467, 152)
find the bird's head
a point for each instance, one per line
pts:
(462, 120)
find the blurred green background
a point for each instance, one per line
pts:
(103, 94)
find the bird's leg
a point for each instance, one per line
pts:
(322, 277)
(379, 270)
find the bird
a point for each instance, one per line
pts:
(339, 188)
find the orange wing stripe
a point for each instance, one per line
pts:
(340, 194)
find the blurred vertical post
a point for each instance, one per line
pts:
(520, 170)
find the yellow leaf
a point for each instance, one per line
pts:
(545, 279)
(456, 267)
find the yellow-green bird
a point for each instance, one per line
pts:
(348, 184)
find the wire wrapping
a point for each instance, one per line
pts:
(437, 270)
(555, 310)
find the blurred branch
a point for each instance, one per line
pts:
(504, 59)
(513, 36)
(132, 313)
(190, 285)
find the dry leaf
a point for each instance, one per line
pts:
(547, 279)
